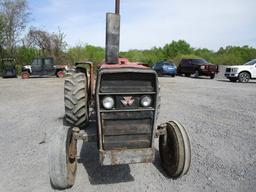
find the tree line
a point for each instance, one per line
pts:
(15, 43)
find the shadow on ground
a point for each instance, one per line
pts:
(157, 163)
(227, 81)
(102, 174)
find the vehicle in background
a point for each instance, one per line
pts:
(165, 68)
(197, 67)
(242, 73)
(43, 67)
(9, 68)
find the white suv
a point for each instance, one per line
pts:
(242, 73)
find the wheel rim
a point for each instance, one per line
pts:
(170, 153)
(175, 150)
(71, 156)
(244, 77)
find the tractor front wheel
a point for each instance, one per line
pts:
(62, 159)
(175, 150)
(76, 100)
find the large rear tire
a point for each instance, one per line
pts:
(76, 100)
(62, 159)
(175, 150)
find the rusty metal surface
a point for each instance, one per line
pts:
(161, 130)
(87, 135)
(117, 7)
(91, 87)
(97, 91)
(112, 38)
(72, 149)
(126, 156)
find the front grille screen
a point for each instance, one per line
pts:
(127, 82)
(228, 69)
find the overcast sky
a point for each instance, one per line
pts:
(148, 23)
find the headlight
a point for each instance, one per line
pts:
(108, 102)
(234, 70)
(202, 67)
(146, 101)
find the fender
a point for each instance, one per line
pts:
(246, 72)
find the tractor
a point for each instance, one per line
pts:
(9, 69)
(125, 103)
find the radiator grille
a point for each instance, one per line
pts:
(131, 126)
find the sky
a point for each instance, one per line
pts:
(148, 23)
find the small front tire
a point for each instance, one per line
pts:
(62, 165)
(175, 150)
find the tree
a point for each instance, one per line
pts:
(15, 16)
(1, 34)
(40, 39)
(176, 48)
(86, 53)
(58, 45)
(50, 44)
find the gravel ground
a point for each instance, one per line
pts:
(219, 116)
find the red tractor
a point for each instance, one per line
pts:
(125, 103)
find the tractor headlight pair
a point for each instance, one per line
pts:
(108, 102)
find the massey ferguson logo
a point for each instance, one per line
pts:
(128, 101)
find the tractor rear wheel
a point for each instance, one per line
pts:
(62, 159)
(175, 150)
(76, 100)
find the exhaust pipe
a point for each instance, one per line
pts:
(113, 35)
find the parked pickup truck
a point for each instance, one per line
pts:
(43, 67)
(242, 73)
(197, 67)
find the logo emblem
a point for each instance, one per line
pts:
(128, 101)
